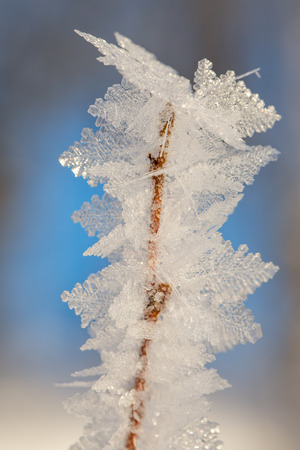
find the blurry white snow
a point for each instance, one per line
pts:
(32, 417)
(244, 427)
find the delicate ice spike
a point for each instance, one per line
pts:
(251, 72)
(99, 43)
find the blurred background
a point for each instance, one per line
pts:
(49, 77)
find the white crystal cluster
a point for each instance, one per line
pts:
(207, 168)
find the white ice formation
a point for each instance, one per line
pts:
(173, 162)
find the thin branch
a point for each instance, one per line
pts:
(158, 293)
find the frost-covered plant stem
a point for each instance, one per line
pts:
(157, 292)
(173, 163)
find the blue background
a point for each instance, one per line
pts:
(49, 77)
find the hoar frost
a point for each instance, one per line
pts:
(173, 163)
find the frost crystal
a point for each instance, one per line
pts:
(173, 163)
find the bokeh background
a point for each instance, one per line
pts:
(49, 77)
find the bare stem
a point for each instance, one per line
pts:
(157, 293)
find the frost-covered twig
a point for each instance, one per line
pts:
(173, 163)
(157, 292)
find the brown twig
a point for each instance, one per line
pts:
(157, 293)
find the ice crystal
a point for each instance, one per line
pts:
(173, 163)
